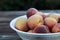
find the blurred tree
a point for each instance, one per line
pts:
(25, 4)
(53, 4)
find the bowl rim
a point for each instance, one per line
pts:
(11, 23)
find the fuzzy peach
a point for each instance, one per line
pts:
(56, 28)
(34, 21)
(31, 11)
(41, 29)
(53, 15)
(21, 24)
(50, 22)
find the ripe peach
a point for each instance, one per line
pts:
(53, 15)
(50, 22)
(56, 28)
(30, 31)
(31, 12)
(34, 20)
(41, 29)
(21, 24)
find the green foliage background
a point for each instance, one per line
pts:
(25, 4)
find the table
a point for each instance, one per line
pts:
(6, 33)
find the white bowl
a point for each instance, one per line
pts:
(33, 36)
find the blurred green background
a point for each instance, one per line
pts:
(16, 5)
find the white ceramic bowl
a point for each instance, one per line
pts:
(33, 36)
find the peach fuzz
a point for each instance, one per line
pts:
(41, 29)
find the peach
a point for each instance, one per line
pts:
(56, 28)
(30, 31)
(21, 24)
(53, 15)
(50, 22)
(34, 20)
(31, 12)
(41, 29)
(41, 14)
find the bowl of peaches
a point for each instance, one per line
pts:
(36, 25)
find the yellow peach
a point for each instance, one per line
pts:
(53, 15)
(50, 22)
(21, 24)
(34, 20)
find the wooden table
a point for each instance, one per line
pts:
(6, 33)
